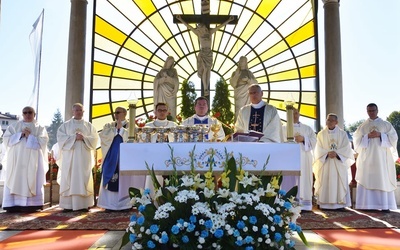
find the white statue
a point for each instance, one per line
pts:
(166, 85)
(241, 80)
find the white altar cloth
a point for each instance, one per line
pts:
(284, 157)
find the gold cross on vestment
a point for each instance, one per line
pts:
(255, 124)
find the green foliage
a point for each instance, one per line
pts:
(221, 106)
(352, 127)
(188, 97)
(52, 129)
(394, 119)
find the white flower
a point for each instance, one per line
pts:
(259, 192)
(246, 181)
(187, 181)
(172, 189)
(137, 246)
(223, 192)
(208, 193)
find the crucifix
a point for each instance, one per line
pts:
(204, 34)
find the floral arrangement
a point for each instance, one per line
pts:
(398, 169)
(238, 211)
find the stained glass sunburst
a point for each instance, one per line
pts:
(132, 39)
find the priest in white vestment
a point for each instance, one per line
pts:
(26, 165)
(259, 116)
(375, 141)
(114, 187)
(333, 158)
(305, 136)
(161, 121)
(77, 140)
(201, 118)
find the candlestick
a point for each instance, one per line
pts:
(289, 121)
(132, 117)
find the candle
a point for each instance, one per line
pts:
(132, 117)
(289, 121)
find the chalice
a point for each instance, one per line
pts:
(215, 128)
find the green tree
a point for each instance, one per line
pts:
(221, 105)
(352, 127)
(52, 129)
(188, 97)
(394, 119)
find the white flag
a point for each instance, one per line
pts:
(35, 39)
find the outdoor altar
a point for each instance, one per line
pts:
(282, 157)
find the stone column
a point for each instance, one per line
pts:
(76, 56)
(333, 60)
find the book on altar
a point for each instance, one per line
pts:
(251, 136)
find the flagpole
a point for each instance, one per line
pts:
(39, 69)
(35, 38)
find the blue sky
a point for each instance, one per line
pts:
(370, 56)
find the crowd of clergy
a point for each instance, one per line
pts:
(326, 158)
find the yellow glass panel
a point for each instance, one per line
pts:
(146, 6)
(100, 109)
(308, 110)
(266, 7)
(302, 34)
(308, 71)
(138, 48)
(101, 69)
(105, 29)
(286, 75)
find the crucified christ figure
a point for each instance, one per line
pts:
(205, 57)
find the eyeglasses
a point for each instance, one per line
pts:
(27, 112)
(162, 110)
(117, 112)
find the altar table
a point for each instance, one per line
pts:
(283, 157)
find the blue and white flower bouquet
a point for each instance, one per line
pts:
(238, 210)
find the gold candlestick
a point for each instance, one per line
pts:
(289, 121)
(132, 116)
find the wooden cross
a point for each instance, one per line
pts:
(206, 19)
